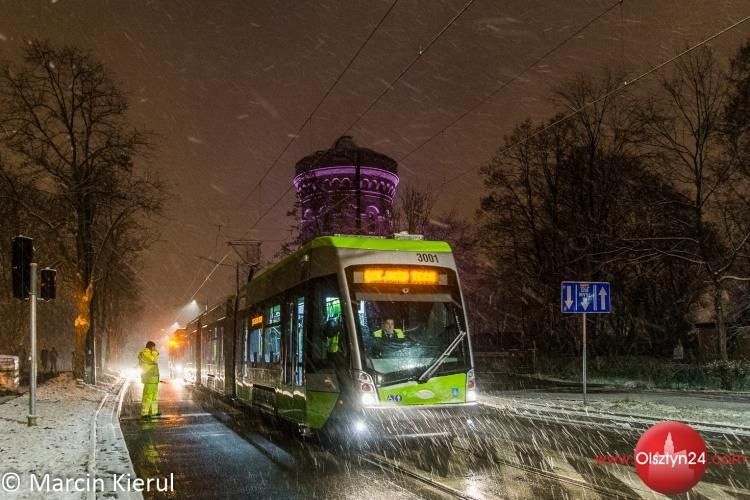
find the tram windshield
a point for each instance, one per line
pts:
(402, 336)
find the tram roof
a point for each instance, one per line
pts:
(384, 244)
(358, 243)
(351, 243)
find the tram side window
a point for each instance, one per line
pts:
(294, 331)
(326, 342)
(205, 343)
(210, 346)
(254, 340)
(255, 349)
(272, 335)
(218, 345)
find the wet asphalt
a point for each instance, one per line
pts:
(215, 450)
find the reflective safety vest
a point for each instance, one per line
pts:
(333, 343)
(397, 332)
(149, 364)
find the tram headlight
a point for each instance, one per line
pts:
(366, 387)
(471, 387)
(369, 399)
(360, 426)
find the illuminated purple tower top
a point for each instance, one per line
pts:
(330, 202)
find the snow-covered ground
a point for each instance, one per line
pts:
(707, 408)
(58, 450)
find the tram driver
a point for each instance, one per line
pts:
(386, 341)
(388, 331)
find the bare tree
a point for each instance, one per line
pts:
(685, 131)
(64, 119)
(413, 209)
(564, 199)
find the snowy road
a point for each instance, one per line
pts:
(215, 451)
(566, 446)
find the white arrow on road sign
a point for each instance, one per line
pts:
(585, 297)
(585, 302)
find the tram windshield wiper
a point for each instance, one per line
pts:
(430, 371)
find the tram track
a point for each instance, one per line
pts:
(260, 439)
(548, 475)
(424, 479)
(395, 466)
(721, 438)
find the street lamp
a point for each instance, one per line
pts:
(186, 313)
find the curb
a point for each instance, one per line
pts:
(91, 468)
(105, 426)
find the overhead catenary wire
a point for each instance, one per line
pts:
(599, 99)
(226, 255)
(416, 58)
(359, 118)
(507, 83)
(544, 129)
(296, 135)
(328, 92)
(423, 51)
(382, 94)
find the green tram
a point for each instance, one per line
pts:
(351, 336)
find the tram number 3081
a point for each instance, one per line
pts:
(427, 257)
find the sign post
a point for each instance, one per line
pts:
(32, 371)
(582, 297)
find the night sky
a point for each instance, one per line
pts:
(226, 83)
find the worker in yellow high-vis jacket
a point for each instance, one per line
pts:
(148, 360)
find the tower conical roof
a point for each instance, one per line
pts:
(344, 152)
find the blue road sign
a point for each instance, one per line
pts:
(579, 297)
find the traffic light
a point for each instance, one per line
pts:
(48, 284)
(22, 254)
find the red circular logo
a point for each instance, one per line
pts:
(670, 458)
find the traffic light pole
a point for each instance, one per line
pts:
(32, 371)
(25, 287)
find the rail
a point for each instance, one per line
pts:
(387, 463)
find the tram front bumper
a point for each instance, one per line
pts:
(385, 423)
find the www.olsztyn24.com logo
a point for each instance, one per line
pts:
(670, 458)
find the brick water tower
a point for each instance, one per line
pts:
(346, 190)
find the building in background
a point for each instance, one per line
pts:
(346, 190)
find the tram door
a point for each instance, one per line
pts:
(299, 363)
(293, 404)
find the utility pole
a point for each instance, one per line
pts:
(358, 182)
(251, 258)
